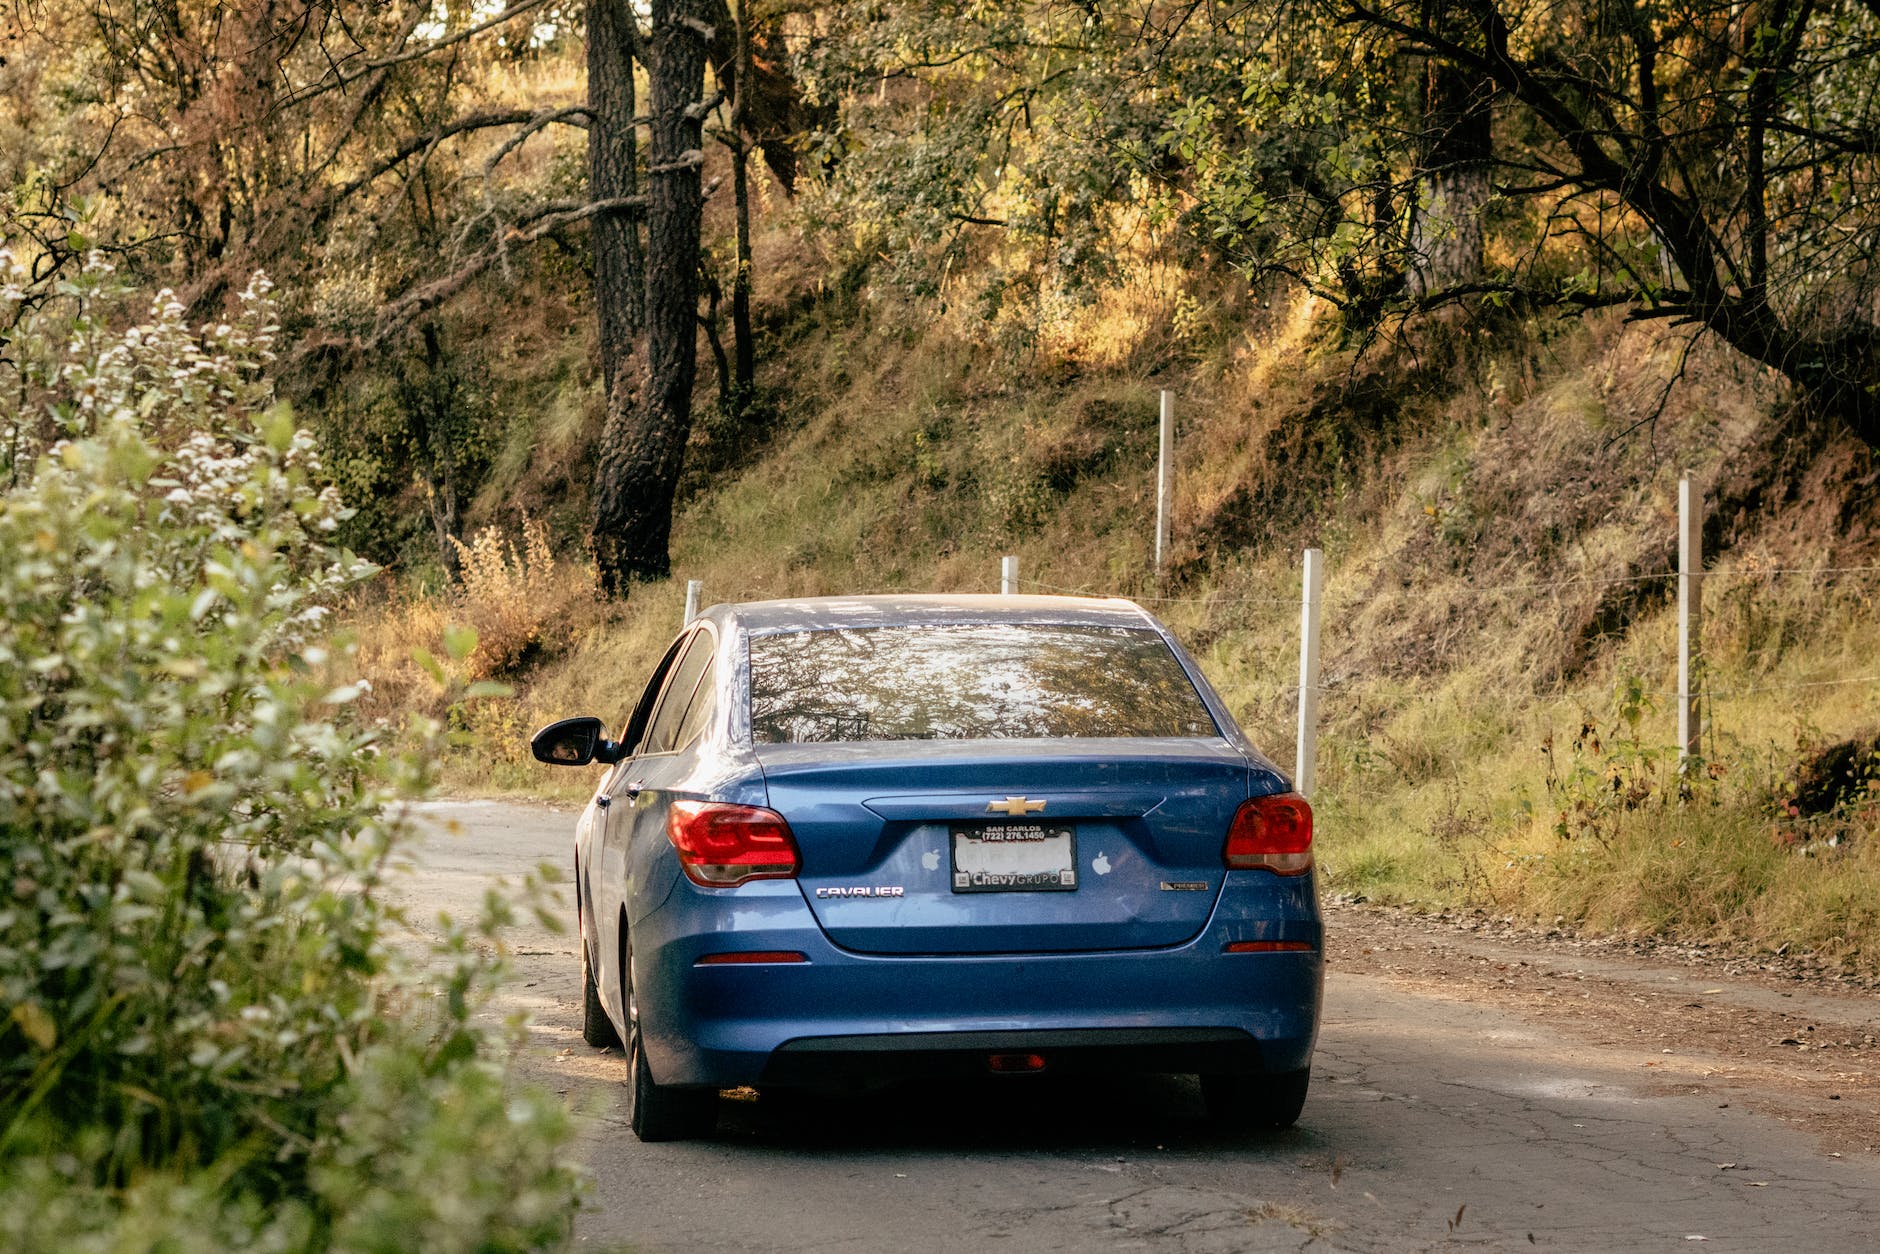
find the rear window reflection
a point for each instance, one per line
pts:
(982, 681)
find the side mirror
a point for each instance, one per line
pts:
(574, 742)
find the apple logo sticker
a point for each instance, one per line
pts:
(1102, 865)
(931, 860)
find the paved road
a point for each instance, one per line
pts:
(1437, 1119)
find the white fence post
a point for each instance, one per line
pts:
(1690, 615)
(692, 589)
(1008, 576)
(1164, 478)
(1305, 768)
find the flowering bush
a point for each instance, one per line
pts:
(205, 1034)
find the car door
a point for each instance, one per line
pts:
(600, 871)
(633, 797)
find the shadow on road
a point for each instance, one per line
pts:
(1086, 1113)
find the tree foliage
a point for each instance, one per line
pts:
(1713, 163)
(381, 159)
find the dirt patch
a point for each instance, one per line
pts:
(1765, 1031)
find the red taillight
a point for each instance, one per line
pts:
(1271, 834)
(724, 845)
(1267, 947)
(1010, 1064)
(750, 957)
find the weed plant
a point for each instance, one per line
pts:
(208, 1037)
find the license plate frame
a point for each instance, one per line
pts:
(1045, 872)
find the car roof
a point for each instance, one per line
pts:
(819, 613)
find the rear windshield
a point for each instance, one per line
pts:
(981, 681)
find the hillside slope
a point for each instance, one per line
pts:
(1496, 500)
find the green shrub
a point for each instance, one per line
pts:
(207, 1037)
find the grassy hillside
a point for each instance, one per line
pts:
(1496, 499)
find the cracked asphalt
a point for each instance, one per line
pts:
(1494, 1092)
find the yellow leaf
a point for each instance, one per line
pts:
(36, 1024)
(196, 781)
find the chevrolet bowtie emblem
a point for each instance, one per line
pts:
(1016, 805)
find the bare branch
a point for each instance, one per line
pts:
(546, 117)
(540, 221)
(699, 109)
(684, 161)
(339, 78)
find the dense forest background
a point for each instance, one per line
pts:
(800, 297)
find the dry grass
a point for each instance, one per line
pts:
(525, 607)
(515, 595)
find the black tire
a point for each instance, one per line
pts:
(1255, 1103)
(658, 1112)
(596, 1028)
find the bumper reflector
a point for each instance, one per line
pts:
(1267, 947)
(750, 956)
(1007, 1064)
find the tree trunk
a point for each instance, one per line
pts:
(743, 351)
(1453, 187)
(430, 403)
(614, 237)
(643, 445)
(708, 322)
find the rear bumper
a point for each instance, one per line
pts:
(841, 1060)
(840, 1015)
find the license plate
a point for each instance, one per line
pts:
(1014, 857)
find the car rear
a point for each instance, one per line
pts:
(1022, 837)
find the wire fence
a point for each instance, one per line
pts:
(1699, 699)
(1709, 577)
(1695, 694)
(1156, 600)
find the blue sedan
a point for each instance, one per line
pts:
(853, 840)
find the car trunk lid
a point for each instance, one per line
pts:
(944, 847)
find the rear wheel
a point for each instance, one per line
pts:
(658, 1112)
(1256, 1103)
(596, 1028)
